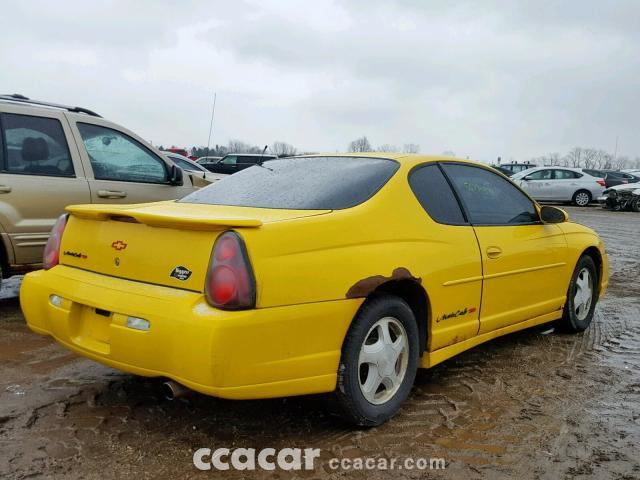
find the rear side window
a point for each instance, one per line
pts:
(35, 146)
(565, 174)
(489, 198)
(435, 195)
(302, 183)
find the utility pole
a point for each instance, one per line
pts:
(213, 111)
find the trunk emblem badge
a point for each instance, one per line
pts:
(117, 262)
(119, 245)
(181, 273)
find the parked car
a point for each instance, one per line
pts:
(234, 162)
(622, 197)
(515, 167)
(504, 171)
(192, 167)
(560, 184)
(209, 159)
(54, 155)
(314, 274)
(612, 177)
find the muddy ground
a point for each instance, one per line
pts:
(529, 405)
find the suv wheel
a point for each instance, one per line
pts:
(581, 198)
(379, 361)
(582, 296)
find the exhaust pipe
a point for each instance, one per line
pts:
(173, 390)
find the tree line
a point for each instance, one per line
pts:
(580, 157)
(284, 149)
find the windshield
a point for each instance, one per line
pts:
(303, 183)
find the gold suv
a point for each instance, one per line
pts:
(54, 155)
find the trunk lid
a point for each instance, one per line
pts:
(164, 243)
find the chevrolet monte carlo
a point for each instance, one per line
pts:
(334, 273)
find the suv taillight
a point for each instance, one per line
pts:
(230, 284)
(601, 182)
(52, 250)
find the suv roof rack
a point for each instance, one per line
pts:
(16, 97)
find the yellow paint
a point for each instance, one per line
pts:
(304, 262)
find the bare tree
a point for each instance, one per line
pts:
(360, 145)
(589, 157)
(554, 159)
(238, 146)
(574, 157)
(283, 149)
(411, 148)
(620, 162)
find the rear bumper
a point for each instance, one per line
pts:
(261, 353)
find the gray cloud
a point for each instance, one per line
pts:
(483, 79)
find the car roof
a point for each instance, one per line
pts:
(405, 159)
(251, 154)
(16, 99)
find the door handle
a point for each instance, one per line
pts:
(111, 194)
(494, 252)
(5, 189)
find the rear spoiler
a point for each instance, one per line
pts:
(162, 215)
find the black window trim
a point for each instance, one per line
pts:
(466, 222)
(135, 142)
(466, 210)
(4, 158)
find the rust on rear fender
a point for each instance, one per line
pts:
(364, 287)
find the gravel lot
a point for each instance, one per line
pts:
(533, 404)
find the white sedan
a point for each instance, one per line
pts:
(560, 184)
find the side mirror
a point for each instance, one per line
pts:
(550, 214)
(176, 176)
(527, 178)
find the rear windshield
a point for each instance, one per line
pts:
(303, 183)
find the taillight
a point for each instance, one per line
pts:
(601, 182)
(230, 284)
(52, 250)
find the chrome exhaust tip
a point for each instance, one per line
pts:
(173, 390)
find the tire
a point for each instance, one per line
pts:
(576, 318)
(582, 198)
(635, 205)
(392, 366)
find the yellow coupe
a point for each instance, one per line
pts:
(333, 273)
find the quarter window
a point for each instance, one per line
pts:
(435, 195)
(490, 199)
(35, 146)
(116, 156)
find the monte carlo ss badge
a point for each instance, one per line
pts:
(181, 273)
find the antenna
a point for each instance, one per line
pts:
(213, 111)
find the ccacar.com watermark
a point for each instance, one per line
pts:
(301, 459)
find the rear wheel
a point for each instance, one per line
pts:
(581, 198)
(379, 361)
(582, 296)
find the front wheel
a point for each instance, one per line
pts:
(379, 361)
(581, 198)
(582, 296)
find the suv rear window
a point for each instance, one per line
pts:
(303, 183)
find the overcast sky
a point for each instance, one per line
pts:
(481, 79)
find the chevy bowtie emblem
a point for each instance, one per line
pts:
(119, 245)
